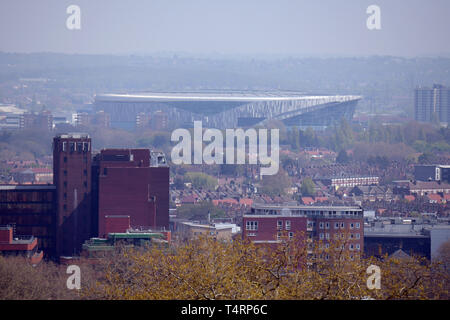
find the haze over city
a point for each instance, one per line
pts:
(224, 150)
(256, 28)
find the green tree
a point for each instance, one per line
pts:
(201, 180)
(275, 185)
(342, 157)
(307, 187)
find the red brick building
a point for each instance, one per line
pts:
(87, 194)
(269, 223)
(27, 246)
(72, 178)
(31, 210)
(127, 184)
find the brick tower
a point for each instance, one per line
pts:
(72, 178)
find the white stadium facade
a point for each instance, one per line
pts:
(228, 110)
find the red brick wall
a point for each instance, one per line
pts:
(268, 227)
(72, 178)
(124, 191)
(6, 235)
(117, 224)
(346, 230)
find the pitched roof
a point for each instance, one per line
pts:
(400, 254)
(307, 200)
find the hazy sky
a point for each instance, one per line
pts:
(249, 27)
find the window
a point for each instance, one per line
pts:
(327, 236)
(321, 225)
(351, 225)
(336, 225)
(327, 225)
(342, 225)
(358, 246)
(64, 146)
(352, 247)
(279, 225)
(251, 225)
(352, 235)
(357, 225)
(327, 245)
(291, 235)
(336, 236)
(358, 236)
(65, 159)
(72, 146)
(278, 235)
(288, 225)
(321, 236)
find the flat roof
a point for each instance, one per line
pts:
(306, 208)
(219, 96)
(205, 226)
(28, 187)
(375, 234)
(74, 135)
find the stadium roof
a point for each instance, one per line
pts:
(238, 96)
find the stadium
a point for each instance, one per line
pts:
(228, 110)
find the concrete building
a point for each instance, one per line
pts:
(349, 181)
(389, 238)
(432, 173)
(191, 230)
(432, 104)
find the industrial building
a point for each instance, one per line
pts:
(432, 173)
(87, 192)
(126, 182)
(31, 210)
